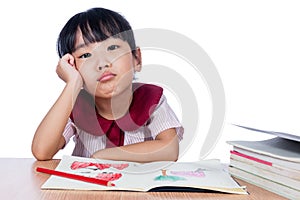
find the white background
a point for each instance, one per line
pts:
(254, 45)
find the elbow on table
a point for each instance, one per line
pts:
(173, 157)
(40, 154)
(172, 154)
(173, 151)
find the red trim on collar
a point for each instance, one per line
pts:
(144, 101)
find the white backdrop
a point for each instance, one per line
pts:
(255, 46)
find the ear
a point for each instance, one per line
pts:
(137, 60)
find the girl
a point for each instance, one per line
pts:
(110, 116)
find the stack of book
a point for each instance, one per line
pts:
(273, 164)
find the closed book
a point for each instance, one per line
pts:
(251, 161)
(265, 183)
(267, 174)
(278, 151)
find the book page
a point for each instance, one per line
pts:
(289, 136)
(208, 174)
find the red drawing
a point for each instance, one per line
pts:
(109, 176)
(77, 165)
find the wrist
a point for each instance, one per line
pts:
(74, 87)
(75, 83)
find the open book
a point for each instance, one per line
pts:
(156, 176)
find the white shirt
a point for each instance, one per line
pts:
(162, 118)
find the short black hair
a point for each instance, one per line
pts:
(96, 25)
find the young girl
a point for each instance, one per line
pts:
(109, 116)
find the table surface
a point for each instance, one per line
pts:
(19, 180)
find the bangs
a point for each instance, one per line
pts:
(94, 30)
(96, 25)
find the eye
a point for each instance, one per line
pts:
(112, 47)
(85, 55)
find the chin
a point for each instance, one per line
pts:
(105, 92)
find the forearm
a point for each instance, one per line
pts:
(148, 151)
(48, 136)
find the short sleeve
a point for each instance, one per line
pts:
(164, 118)
(69, 131)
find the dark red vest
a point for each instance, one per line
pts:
(144, 101)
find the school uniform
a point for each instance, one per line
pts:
(149, 114)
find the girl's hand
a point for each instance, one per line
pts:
(66, 70)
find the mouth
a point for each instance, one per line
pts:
(106, 76)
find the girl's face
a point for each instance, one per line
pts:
(107, 67)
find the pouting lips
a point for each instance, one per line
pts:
(106, 76)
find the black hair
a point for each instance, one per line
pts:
(96, 25)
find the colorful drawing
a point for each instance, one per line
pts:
(109, 176)
(77, 165)
(165, 177)
(197, 173)
(106, 176)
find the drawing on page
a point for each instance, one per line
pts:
(101, 166)
(109, 176)
(197, 173)
(165, 177)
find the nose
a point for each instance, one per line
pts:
(108, 65)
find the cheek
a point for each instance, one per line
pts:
(87, 64)
(89, 77)
(125, 71)
(87, 69)
(125, 78)
(125, 64)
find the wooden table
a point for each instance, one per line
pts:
(19, 180)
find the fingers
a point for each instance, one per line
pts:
(66, 68)
(71, 60)
(68, 59)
